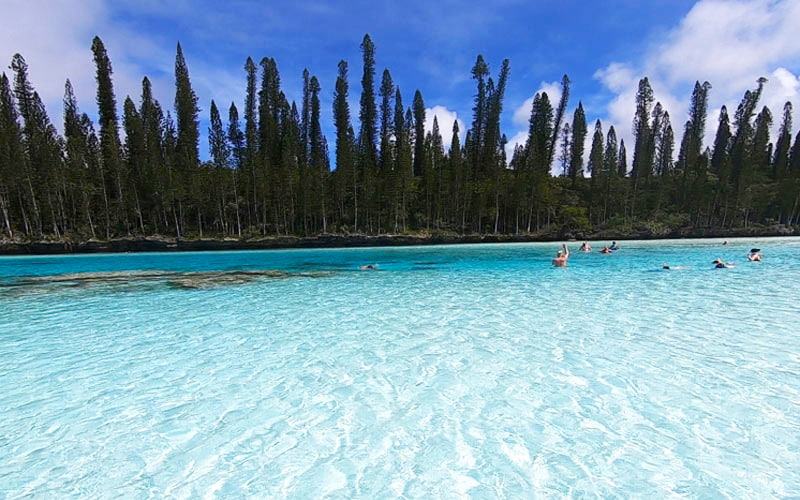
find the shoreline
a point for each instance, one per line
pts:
(169, 244)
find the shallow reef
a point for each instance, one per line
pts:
(147, 279)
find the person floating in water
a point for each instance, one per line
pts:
(561, 256)
(613, 246)
(606, 250)
(672, 268)
(721, 264)
(585, 247)
(369, 267)
(754, 255)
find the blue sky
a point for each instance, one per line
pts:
(605, 47)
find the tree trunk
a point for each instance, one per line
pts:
(4, 209)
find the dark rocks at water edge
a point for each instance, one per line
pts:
(166, 244)
(158, 244)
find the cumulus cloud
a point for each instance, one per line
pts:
(730, 43)
(445, 118)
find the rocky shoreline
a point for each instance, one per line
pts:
(168, 244)
(165, 244)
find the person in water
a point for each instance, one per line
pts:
(605, 249)
(721, 264)
(613, 246)
(369, 267)
(585, 247)
(561, 256)
(754, 255)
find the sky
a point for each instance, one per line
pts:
(604, 47)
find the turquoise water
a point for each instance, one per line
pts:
(454, 372)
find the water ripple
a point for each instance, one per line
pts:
(487, 374)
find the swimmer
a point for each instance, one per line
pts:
(606, 250)
(754, 255)
(721, 264)
(561, 256)
(369, 267)
(672, 268)
(613, 246)
(585, 247)
(724, 242)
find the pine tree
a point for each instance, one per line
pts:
(110, 150)
(367, 147)
(780, 162)
(346, 173)
(419, 133)
(762, 155)
(743, 154)
(238, 153)
(368, 114)
(595, 167)
(236, 138)
(404, 175)
(559, 116)
(695, 130)
(478, 130)
(152, 117)
(610, 160)
(43, 170)
(318, 160)
(457, 180)
(579, 132)
(642, 133)
(386, 152)
(665, 149)
(12, 163)
(217, 140)
(564, 157)
(186, 112)
(622, 166)
(642, 130)
(135, 153)
(251, 143)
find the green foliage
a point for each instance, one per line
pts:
(271, 175)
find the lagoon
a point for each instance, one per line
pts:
(475, 371)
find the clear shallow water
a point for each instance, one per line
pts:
(459, 371)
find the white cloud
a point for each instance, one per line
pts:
(56, 43)
(445, 119)
(730, 43)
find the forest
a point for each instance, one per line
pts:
(271, 172)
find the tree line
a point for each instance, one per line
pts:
(270, 171)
